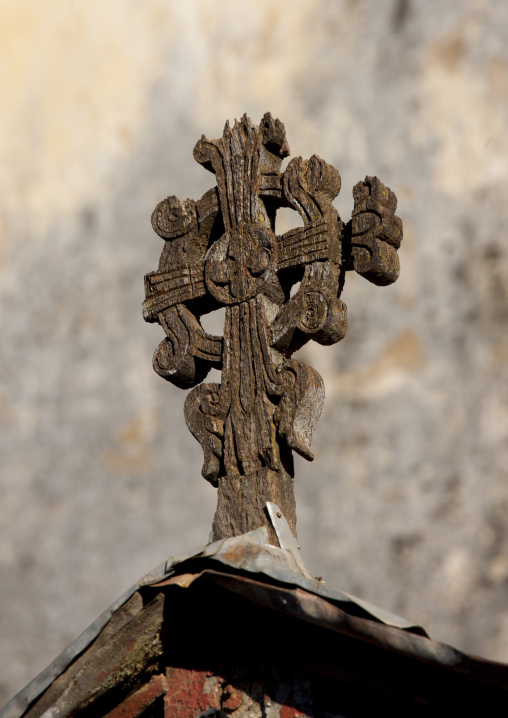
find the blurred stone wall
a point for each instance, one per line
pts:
(406, 503)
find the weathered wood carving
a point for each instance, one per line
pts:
(223, 251)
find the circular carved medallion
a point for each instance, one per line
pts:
(236, 264)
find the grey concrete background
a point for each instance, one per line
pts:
(406, 502)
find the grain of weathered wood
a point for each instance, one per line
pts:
(223, 251)
(242, 501)
(126, 647)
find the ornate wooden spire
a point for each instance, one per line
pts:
(222, 251)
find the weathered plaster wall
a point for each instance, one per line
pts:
(406, 503)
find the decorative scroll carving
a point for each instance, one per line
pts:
(223, 251)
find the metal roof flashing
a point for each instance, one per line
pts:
(271, 576)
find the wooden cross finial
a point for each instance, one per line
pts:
(223, 251)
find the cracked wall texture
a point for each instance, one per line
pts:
(406, 504)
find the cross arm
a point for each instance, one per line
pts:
(305, 245)
(165, 289)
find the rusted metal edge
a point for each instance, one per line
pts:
(314, 609)
(280, 565)
(311, 608)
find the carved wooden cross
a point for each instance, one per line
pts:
(222, 251)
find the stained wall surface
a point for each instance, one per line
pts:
(406, 503)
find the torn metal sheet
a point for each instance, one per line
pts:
(280, 565)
